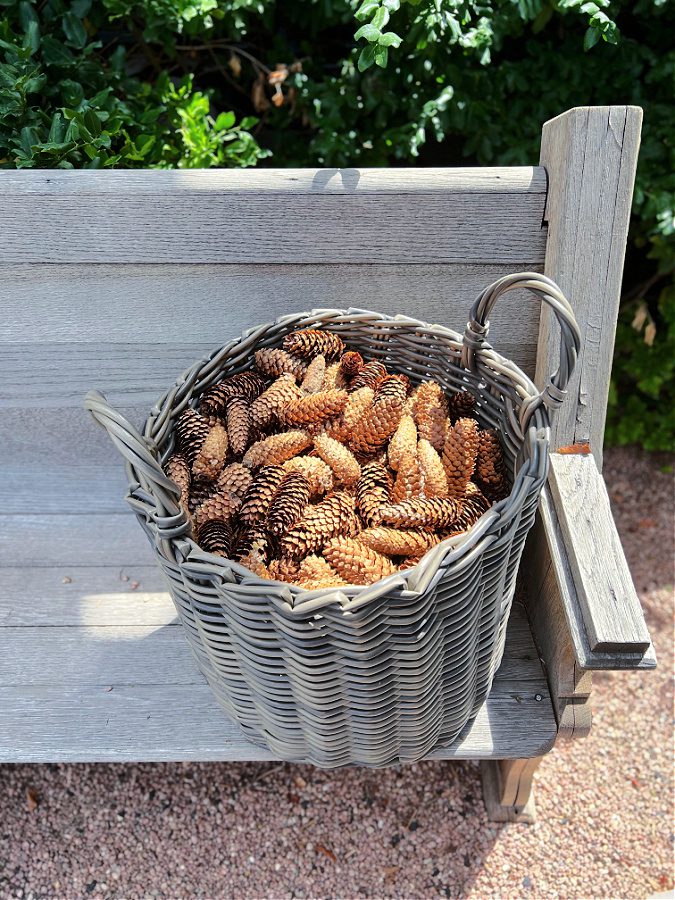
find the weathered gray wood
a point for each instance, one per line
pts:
(61, 489)
(201, 220)
(590, 154)
(609, 603)
(507, 789)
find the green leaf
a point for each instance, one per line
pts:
(591, 38)
(55, 53)
(74, 30)
(369, 32)
(381, 56)
(57, 128)
(380, 18)
(225, 121)
(366, 58)
(366, 9)
(389, 39)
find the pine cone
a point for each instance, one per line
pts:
(395, 542)
(276, 449)
(334, 378)
(316, 370)
(334, 515)
(178, 470)
(369, 376)
(373, 490)
(200, 491)
(267, 405)
(289, 502)
(409, 562)
(319, 474)
(191, 432)
(472, 507)
(286, 570)
(274, 362)
(315, 573)
(215, 536)
(247, 385)
(258, 497)
(311, 342)
(255, 560)
(381, 420)
(235, 480)
(313, 408)
(357, 563)
(244, 538)
(342, 462)
(409, 482)
(358, 403)
(221, 507)
(238, 424)
(490, 466)
(461, 405)
(459, 455)
(212, 454)
(427, 514)
(431, 413)
(435, 479)
(351, 364)
(404, 440)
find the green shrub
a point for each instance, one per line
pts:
(184, 83)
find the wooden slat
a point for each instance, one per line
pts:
(204, 222)
(610, 606)
(64, 489)
(590, 154)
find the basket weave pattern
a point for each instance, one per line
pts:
(370, 675)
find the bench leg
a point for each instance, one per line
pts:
(507, 789)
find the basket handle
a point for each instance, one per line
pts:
(546, 290)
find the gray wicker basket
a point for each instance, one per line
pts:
(370, 675)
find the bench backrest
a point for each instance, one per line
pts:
(119, 280)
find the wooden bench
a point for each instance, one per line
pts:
(119, 280)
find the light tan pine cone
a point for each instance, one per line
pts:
(426, 514)
(431, 413)
(334, 378)
(345, 467)
(286, 570)
(235, 479)
(276, 449)
(215, 536)
(315, 573)
(288, 503)
(409, 479)
(258, 497)
(381, 420)
(459, 455)
(490, 465)
(351, 364)
(473, 506)
(220, 506)
(266, 407)
(397, 542)
(212, 454)
(316, 370)
(373, 490)
(358, 403)
(313, 408)
(369, 376)
(404, 440)
(319, 474)
(247, 385)
(255, 560)
(178, 470)
(238, 424)
(356, 562)
(275, 362)
(435, 479)
(244, 537)
(332, 516)
(311, 342)
(461, 405)
(191, 432)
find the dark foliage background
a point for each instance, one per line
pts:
(193, 83)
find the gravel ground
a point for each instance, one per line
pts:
(605, 804)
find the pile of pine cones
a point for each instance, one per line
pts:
(321, 469)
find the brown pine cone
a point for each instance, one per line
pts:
(356, 562)
(220, 506)
(215, 536)
(191, 432)
(369, 376)
(427, 514)
(286, 570)
(334, 378)
(338, 457)
(238, 424)
(435, 479)
(473, 506)
(409, 480)
(373, 490)
(459, 455)
(212, 454)
(314, 408)
(490, 466)
(334, 515)
(394, 542)
(431, 413)
(319, 474)
(235, 479)
(311, 342)
(461, 405)
(316, 370)
(404, 440)
(288, 503)
(267, 405)
(244, 537)
(276, 449)
(178, 470)
(381, 420)
(275, 362)
(256, 560)
(358, 403)
(200, 491)
(258, 497)
(351, 364)
(408, 563)
(315, 573)
(247, 385)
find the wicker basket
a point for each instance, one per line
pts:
(370, 675)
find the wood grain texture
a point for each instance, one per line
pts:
(609, 603)
(63, 489)
(590, 154)
(507, 789)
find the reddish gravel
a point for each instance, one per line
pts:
(605, 804)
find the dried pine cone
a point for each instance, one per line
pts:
(369, 376)
(311, 342)
(212, 454)
(313, 408)
(235, 479)
(490, 466)
(430, 513)
(381, 420)
(255, 560)
(284, 570)
(315, 573)
(409, 480)
(334, 378)
(404, 440)
(435, 479)
(238, 424)
(356, 562)
(373, 490)
(276, 449)
(247, 385)
(191, 431)
(461, 405)
(200, 491)
(342, 462)
(220, 507)
(431, 413)
(258, 497)
(274, 362)
(395, 542)
(473, 507)
(334, 515)
(316, 370)
(351, 363)
(358, 403)
(319, 474)
(215, 536)
(459, 455)
(178, 470)
(267, 405)
(288, 503)
(244, 538)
